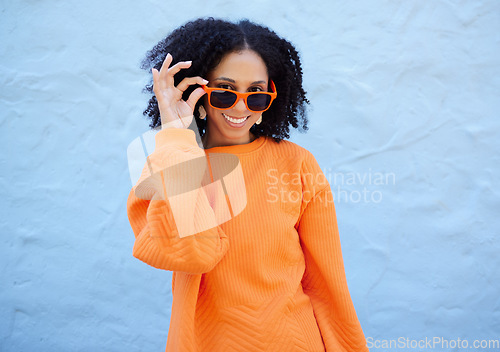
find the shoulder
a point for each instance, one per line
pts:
(288, 150)
(295, 159)
(300, 167)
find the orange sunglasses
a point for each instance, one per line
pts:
(223, 99)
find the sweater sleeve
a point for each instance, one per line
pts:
(324, 280)
(173, 221)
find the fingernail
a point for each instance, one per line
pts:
(205, 82)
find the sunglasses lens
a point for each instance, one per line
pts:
(258, 102)
(222, 99)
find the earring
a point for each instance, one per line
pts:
(202, 112)
(259, 120)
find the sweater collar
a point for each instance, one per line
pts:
(240, 148)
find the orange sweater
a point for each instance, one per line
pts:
(271, 278)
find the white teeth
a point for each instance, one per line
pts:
(230, 119)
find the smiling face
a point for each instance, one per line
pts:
(242, 71)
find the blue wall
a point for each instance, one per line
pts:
(404, 122)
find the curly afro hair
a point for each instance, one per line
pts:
(206, 41)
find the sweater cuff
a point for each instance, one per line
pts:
(178, 136)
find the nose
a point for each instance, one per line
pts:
(240, 105)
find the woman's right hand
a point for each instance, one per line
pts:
(174, 111)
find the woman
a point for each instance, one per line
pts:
(269, 275)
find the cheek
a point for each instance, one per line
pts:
(215, 118)
(209, 110)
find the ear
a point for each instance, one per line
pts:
(202, 112)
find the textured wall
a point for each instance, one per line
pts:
(404, 122)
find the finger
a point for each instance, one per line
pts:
(186, 82)
(194, 97)
(157, 84)
(169, 75)
(162, 83)
(166, 63)
(166, 78)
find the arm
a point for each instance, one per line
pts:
(158, 241)
(172, 219)
(324, 279)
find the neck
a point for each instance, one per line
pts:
(209, 143)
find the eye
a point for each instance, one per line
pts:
(256, 89)
(225, 86)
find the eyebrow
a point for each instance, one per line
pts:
(233, 81)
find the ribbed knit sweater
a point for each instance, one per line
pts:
(272, 277)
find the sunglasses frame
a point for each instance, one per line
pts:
(243, 96)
